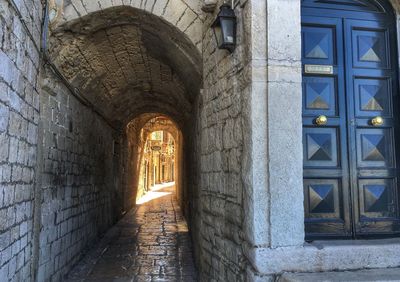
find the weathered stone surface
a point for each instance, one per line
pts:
(19, 61)
(124, 69)
(78, 201)
(150, 243)
(126, 59)
(219, 219)
(381, 275)
(124, 72)
(172, 11)
(328, 256)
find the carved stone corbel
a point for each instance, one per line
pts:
(209, 5)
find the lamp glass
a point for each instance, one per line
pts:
(218, 35)
(228, 30)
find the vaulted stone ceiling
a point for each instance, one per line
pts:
(127, 62)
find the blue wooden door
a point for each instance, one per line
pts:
(350, 119)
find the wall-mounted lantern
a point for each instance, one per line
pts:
(224, 28)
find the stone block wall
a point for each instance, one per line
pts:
(219, 251)
(80, 196)
(132, 158)
(20, 25)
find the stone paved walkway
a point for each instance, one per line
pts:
(151, 243)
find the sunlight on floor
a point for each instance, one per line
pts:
(154, 193)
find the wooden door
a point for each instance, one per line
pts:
(350, 120)
(372, 86)
(326, 178)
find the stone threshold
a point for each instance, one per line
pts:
(387, 274)
(325, 256)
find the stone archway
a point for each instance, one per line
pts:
(128, 64)
(167, 127)
(121, 52)
(138, 132)
(184, 15)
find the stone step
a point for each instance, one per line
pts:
(381, 275)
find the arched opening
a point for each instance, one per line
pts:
(160, 158)
(138, 64)
(147, 158)
(132, 66)
(350, 121)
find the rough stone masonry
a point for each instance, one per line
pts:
(64, 164)
(71, 113)
(19, 118)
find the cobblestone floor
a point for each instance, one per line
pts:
(151, 243)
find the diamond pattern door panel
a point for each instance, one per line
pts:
(374, 148)
(377, 198)
(370, 49)
(320, 147)
(319, 96)
(318, 45)
(322, 198)
(372, 97)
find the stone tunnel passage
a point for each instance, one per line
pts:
(124, 74)
(151, 242)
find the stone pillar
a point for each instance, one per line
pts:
(274, 198)
(158, 161)
(284, 122)
(166, 169)
(151, 170)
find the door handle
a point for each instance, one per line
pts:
(321, 120)
(377, 121)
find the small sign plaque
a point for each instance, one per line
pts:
(318, 69)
